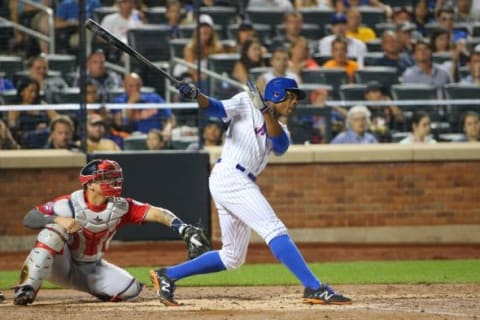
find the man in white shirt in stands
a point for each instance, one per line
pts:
(119, 22)
(355, 47)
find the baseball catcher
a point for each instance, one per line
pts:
(76, 230)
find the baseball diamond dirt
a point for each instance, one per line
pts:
(423, 301)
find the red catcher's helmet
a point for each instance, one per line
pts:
(107, 173)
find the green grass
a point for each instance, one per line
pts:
(377, 272)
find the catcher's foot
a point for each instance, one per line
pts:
(164, 286)
(2, 297)
(24, 295)
(324, 295)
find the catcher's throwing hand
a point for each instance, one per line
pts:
(256, 97)
(196, 239)
(70, 224)
(188, 90)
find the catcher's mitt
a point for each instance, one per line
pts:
(197, 241)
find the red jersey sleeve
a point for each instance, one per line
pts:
(136, 212)
(47, 207)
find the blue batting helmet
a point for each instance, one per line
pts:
(276, 89)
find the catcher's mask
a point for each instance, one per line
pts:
(107, 173)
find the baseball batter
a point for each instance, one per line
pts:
(76, 230)
(253, 133)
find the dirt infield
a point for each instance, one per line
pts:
(283, 302)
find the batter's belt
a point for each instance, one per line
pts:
(241, 168)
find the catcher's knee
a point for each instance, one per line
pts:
(53, 236)
(232, 259)
(130, 293)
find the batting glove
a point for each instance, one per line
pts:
(188, 90)
(256, 97)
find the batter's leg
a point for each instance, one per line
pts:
(259, 215)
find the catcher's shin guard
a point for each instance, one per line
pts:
(38, 264)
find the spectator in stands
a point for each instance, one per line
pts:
(210, 44)
(339, 58)
(300, 58)
(391, 54)
(92, 97)
(292, 24)
(422, 16)
(318, 99)
(173, 15)
(464, 12)
(355, 29)
(279, 64)
(321, 4)
(474, 67)
(250, 57)
(212, 135)
(384, 119)
(104, 79)
(424, 71)
(284, 5)
(444, 17)
(401, 15)
(471, 127)
(49, 85)
(155, 140)
(29, 122)
(96, 140)
(343, 5)
(357, 124)
(5, 84)
(355, 47)
(6, 138)
(404, 33)
(119, 22)
(440, 40)
(142, 120)
(29, 16)
(61, 134)
(420, 129)
(66, 23)
(246, 31)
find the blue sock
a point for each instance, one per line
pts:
(206, 263)
(287, 253)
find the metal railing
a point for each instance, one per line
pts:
(50, 39)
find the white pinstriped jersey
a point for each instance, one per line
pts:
(246, 140)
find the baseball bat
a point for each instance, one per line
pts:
(117, 43)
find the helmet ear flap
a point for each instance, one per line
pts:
(88, 171)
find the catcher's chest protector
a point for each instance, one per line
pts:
(90, 242)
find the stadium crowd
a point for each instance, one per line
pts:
(373, 51)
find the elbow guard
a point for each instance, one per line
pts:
(280, 143)
(215, 108)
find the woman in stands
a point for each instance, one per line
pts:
(210, 44)
(250, 57)
(420, 129)
(25, 124)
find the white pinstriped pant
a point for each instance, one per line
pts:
(241, 207)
